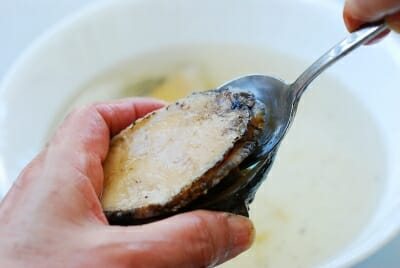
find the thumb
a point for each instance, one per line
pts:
(195, 239)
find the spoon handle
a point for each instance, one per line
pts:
(352, 42)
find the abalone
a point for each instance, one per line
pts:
(182, 157)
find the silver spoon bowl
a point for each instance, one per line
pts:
(281, 100)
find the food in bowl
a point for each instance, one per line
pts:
(165, 161)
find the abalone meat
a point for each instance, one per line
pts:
(184, 156)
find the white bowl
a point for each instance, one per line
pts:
(89, 44)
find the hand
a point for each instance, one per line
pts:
(52, 216)
(358, 12)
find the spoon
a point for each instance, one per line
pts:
(281, 101)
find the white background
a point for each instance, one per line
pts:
(21, 21)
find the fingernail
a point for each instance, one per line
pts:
(351, 23)
(242, 233)
(394, 22)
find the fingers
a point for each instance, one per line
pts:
(70, 168)
(89, 128)
(394, 22)
(82, 140)
(358, 12)
(121, 113)
(81, 143)
(196, 239)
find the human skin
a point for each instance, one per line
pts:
(358, 12)
(52, 216)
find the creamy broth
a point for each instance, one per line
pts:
(324, 185)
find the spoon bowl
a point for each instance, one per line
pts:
(278, 98)
(281, 100)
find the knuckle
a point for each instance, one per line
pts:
(77, 111)
(74, 114)
(203, 241)
(86, 109)
(211, 239)
(103, 108)
(87, 113)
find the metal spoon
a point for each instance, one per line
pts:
(281, 100)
